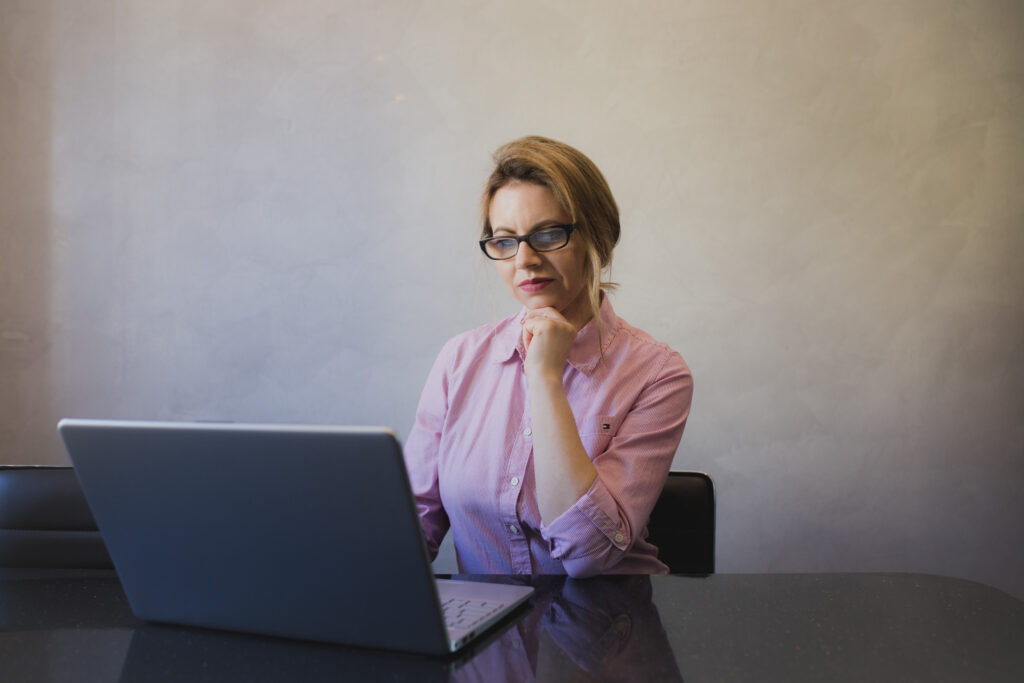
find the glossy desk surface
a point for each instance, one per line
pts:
(77, 626)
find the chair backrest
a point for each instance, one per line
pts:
(45, 521)
(682, 523)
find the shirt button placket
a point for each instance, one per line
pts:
(519, 545)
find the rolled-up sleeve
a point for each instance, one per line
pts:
(594, 534)
(421, 454)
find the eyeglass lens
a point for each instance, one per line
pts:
(548, 239)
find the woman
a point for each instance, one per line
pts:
(543, 441)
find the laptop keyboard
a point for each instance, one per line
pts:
(462, 613)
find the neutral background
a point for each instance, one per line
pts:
(266, 211)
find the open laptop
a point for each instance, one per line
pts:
(296, 531)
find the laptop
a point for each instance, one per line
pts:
(304, 532)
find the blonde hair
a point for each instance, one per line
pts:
(581, 191)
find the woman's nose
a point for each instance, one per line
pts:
(526, 256)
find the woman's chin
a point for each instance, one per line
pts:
(537, 303)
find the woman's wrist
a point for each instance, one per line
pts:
(544, 378)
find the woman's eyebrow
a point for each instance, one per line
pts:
(546, 223)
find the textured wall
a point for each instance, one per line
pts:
(27, 392)
(266, 211)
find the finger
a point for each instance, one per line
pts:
(546, 313)
(539, 327)
(533, 323)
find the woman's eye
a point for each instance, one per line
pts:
(546, 237)
(502, 246)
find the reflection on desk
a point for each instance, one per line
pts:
(603, 628)
(582, 630)
(59, 626)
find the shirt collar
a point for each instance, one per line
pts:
(585, 353)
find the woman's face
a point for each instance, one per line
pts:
(540, 279)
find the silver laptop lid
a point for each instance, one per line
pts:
(296, 531)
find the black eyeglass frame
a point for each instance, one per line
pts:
(567, 228)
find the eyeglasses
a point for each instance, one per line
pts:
(548, 239)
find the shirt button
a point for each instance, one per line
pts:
(513, 528)
(515, 481)
(618, 538)
(527, 432)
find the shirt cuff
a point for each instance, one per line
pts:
(588, 527)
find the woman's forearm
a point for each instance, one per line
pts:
(561, 465)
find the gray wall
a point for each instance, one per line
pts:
(266, 211)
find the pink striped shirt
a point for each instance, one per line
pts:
(469, 453)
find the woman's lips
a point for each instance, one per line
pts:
(535, 284)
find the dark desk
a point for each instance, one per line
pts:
(58, 626)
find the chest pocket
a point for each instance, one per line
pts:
(596, 432)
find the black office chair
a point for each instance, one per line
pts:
(682, 523)
(45, 521)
